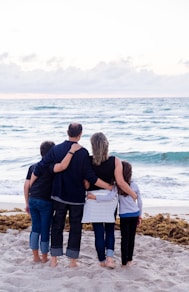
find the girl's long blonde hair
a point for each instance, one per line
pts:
(99, 145)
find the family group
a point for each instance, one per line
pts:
(68, 182)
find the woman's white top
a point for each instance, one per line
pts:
(103, 208)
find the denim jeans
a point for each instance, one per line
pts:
(104, 239)
(41, 215)
(128, 226)
(58, 223)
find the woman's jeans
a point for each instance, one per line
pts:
(58, 224)
(104, 239)
(41, 215)
(128, 227)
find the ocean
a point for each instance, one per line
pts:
(151, 133)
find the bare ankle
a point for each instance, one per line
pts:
(109, 259)
(36, 257)
(44, 258)
(53, 262)
(110, 262)
(102, 264)
(73, 263)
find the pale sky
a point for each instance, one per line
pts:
(94, 47)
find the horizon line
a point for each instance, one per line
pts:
(75, 96)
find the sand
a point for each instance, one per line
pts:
(160, 265)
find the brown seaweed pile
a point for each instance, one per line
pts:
(164, 227)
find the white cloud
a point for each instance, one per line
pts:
(29, 58)
(75, 46)
(106, 79)
(4, 56)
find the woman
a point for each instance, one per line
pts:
(100, 207)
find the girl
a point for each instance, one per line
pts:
(130, 216)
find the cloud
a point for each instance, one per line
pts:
(29, 58)
(184, 62)
(116, 79)
(4, 56)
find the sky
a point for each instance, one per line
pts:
(94, 48)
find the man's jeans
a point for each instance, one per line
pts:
(58, 224)
(41, 214)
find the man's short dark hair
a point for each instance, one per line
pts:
(45, 147)
(74, 130)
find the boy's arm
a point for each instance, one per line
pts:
(32, 179)
(63, 164)
(26, 193)
(66, 160)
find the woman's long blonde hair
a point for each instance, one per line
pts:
(99, 145)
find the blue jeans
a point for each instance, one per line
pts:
(58, 223)
(41, 215)
(104, 239)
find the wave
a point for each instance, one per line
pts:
(45, 107)
(155, 157)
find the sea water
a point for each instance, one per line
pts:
(151, 133)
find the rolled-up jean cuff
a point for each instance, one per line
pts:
(73, 254)
(34, 240)
(56, 252)
(44, 246)
(110, 253)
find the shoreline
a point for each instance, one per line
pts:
(151, 207)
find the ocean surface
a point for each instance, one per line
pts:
(151, 133)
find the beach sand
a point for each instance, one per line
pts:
(160, 265)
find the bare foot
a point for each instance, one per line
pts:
(37, 259)
(131, 263)
(53, 262)
(73, 263)
(102, 264)
(123, 266)
(44, 258)
(109, 263)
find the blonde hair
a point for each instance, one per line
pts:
(99, 145)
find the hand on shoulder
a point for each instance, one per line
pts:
(75, 147)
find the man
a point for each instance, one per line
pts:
(68, 193)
